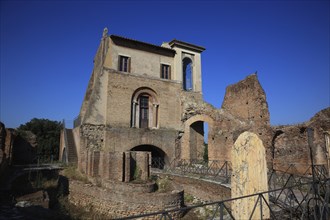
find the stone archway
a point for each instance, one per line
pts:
(158, 156)
(193, 137)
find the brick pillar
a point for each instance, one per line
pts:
(95, 163)
(104, 166)
(142, 163)
(116, 166)
(127, 167)
(82, 158)
(101, 169)
(89, 163)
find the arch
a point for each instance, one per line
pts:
(193, 137)
(201, 117)
(144, 110)
(158, 156)
(187, 69)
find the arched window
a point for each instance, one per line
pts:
(187, 74)
(144, 109)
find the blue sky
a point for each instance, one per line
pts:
(47, 50)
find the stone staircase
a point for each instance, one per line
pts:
(72, 153)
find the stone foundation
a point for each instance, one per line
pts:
(116, 204)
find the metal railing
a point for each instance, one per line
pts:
(316, 194)
(291, 196)
(212, 169)
(311, 206)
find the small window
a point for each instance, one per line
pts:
(165, 71)
(124, 64)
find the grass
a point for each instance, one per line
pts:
(164, 184)
(188, 198)
(71, 172)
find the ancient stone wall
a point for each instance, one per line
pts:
(290, 143)
(122, 203)
(94, 81)
(244, 109)
(205, 190)
(246, 101)
(118, 166)
(93, 135)
(124, 139)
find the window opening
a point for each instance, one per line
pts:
(144, 111)
(165, 71)
(187, 74)
(124, 63)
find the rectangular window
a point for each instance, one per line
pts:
(124, 64)
(165, 71)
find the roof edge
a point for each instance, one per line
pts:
(186, 45)
(141, 42)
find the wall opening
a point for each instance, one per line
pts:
(206, 139)
(157, 155)
(187, 74)
(199, 141)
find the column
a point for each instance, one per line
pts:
(134, 113)
(155, 115)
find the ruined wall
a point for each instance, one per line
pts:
(118, 166)
(244, 109)
(290, 143)
(246, 101)
(207, 191)
(95, 106)
(124, 139)
(94, 82)
(123, 203)
(194, 112)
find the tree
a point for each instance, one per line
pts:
(48, 135)
(206, 152)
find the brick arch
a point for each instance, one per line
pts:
(200, 117)
(158, 139)
(152, 108)
(187, 148)
(147, 90)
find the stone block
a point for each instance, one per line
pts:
(249, 176)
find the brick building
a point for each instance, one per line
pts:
(143, 97)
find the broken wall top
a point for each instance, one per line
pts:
(246, 100)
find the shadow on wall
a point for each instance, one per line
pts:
(23, 152)
(158, 156)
